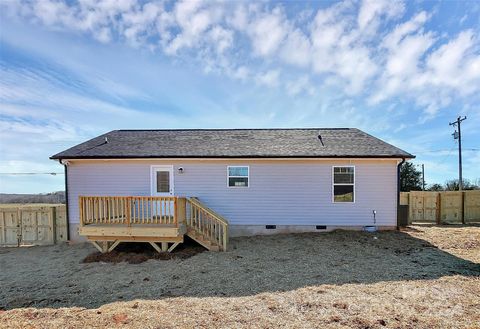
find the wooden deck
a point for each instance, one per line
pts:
(107, 221)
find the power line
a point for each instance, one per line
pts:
(448, 154)
(32, 173)
(445, 150)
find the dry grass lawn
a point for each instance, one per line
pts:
(422, 277)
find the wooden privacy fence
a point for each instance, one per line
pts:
(442, 207)
(32, 224)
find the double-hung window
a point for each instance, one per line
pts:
(344, 184)
(238, 176)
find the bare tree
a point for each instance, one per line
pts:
(452, 185)
(54, 197)
(436, 187)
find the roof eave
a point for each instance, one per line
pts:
(395, 156)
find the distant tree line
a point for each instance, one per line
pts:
(54, 197)
(411, 180)
(452, 185)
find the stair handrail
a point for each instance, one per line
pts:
(212, 212)
(217, 217)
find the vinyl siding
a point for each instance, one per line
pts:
(281, 192)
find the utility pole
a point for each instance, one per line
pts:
(459, 137)
(423, 177)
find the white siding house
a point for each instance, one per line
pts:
(294, 194)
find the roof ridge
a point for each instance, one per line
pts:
(232, 129)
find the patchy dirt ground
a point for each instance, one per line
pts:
(422, 277)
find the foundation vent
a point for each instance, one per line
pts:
(270, 227)
(321, 227)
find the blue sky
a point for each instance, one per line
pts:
(70, 70)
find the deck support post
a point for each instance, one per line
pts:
(104, 246)
(164, 246)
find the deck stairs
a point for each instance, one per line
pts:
(203, 240)
(205, 226)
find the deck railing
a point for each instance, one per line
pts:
(128, 210)
(132, 210)
(207, 222)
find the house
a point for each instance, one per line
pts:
(158, 185)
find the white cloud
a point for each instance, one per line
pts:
(267, 32)
(402, 64)
(140, 24)
(431, 76)
(392, 39)
(372, 10)
(452, 65)
(269, 78)
(404, 60)
(238, 19)
(221, 38)
(297, 49)
(43, 130)
(45, 91)
(241, 73)
(337, 49)
(299, 86)
(52, 12)
(95, 17)
(356, 67)
(193, 21)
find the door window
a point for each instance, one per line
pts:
(161, 180)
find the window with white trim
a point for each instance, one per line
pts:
(238, 176)
(344, 184)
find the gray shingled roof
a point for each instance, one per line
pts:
(234, 143)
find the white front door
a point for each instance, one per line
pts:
(162, 181)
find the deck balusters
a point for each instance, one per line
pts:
(127, 210)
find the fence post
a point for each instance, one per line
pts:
(438, 212)
(53, 222)
(3, 226)
(19, 226)
(410, 208)
(462, 205)
(424, 200)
